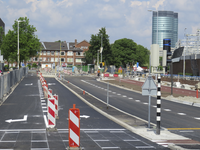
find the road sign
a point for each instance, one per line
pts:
(149, 87)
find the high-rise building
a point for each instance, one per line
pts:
(2, 24)
(164, 26)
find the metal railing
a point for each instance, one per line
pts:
(10, 79)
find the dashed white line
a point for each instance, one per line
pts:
(145, 103)
(197, 118)
(118, 94)
(182, 114)
(137, 100)
(130, 98)
(167, 110)
(154, 106)
(124, 96)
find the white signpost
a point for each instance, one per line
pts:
(149, 88)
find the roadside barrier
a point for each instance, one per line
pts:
(56, 105)
(74, 127)
(51, 113)
(158, 110)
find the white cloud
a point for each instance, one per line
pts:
(70, 19)
(159, 3)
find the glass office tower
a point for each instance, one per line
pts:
(164, 26)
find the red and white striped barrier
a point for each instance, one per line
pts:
(56, 105)
(51, 113)
(74, 127)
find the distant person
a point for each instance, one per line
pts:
(98, 73)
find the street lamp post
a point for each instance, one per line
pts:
(184, 54)
(18, 43)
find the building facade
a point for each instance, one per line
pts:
(164, 25)
(61, 54)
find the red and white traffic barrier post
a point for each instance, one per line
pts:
(74, 128)
(51, 114)
(56, 105)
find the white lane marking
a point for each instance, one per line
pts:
(118, 94)
(110, 147)
(154, 106)
(167, 110)
(187, 131)
(45, 120)
(84, 116)
(28, 84)
(42, 100)
(43, 103)
(51, 84)
(182, 114)
(44, 110)
(114, 92)
(101, 140)
(145, 103)
(17, 120)
(44, 107)
(124, 96)
(197, 118)
(144, 147)
(137, 100)
(130, 98)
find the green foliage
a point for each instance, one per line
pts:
(95, 43)
(126, 51)
(29, 66)
(34, 65)
(29, 44)
(160, 67)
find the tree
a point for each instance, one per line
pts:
(126, 51)
(95, 43)
(29, 44)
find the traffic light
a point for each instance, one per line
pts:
(167, 47)
(101, 65)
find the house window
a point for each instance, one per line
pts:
(62, 53)
(52, 52)
(40, 52)
(78, 60)
(70, 53)
(52, 59)
(56, 53)
(62, 59)
(40, 59)
(56, 59)
(44, 52)
(69, 59)
(44, 58)
(48, 52)
(78, 53)
(48, 59)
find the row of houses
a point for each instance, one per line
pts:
(60, 54)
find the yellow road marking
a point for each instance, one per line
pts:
(183, 128)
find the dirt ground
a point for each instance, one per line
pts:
(139, 88)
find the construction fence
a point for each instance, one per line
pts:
(10, 79)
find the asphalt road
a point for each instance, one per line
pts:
(22, 122)
(173, 115)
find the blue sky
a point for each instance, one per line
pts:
(68, 20)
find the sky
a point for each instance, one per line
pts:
(67, 20)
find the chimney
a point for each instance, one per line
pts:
(75, 42)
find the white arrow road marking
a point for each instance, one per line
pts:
(51, 83)
(84, 116)
(17, 120)
(29, 84)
